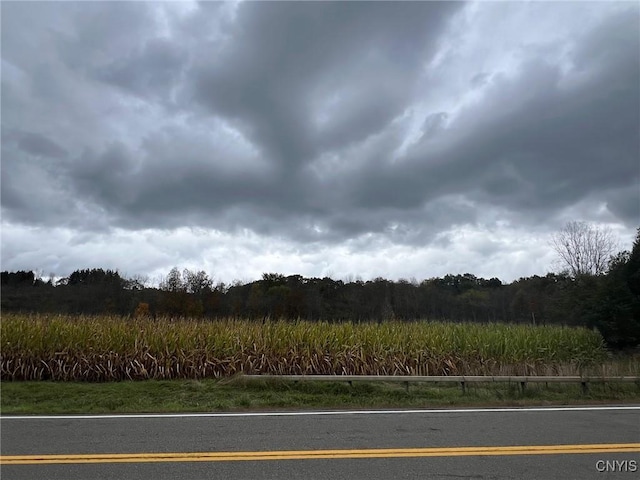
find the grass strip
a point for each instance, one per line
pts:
(166, 396)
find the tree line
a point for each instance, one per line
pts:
(608, 300)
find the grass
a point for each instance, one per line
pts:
(215, 396)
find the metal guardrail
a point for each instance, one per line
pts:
(461, 379)
(443, 378)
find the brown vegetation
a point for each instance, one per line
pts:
(66, 348)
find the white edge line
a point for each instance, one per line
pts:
(314, 413)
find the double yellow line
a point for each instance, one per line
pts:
(319, 454)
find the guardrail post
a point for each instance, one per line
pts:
(585, 388)
(464, 389)
(522, 386)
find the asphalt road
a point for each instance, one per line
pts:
(427, 444)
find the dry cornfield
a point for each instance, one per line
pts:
(65, 348)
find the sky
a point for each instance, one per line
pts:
(350, 140)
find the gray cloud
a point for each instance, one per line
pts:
(322, 122)
(291, 62)
(153, 69)
(40, 145)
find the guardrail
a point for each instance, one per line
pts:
(522, 380)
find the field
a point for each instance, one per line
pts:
(101, 349)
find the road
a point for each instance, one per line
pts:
(551, 443)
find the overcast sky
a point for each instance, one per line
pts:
(323, 139)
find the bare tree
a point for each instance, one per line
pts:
(584, 249)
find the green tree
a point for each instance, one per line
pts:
(615, 310)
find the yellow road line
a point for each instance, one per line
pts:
(318, 454)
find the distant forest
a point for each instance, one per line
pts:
(609, 302)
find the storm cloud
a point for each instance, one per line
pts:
(315, 137)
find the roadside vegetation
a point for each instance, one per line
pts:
(239, 395)
(99, 349)
(53, 364)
